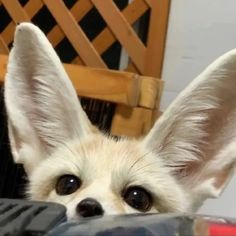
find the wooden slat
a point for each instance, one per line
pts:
(78, 10)
(107, 85)
(55, 35)
(81, 8)
(3, 46)
(8, 33)
(15, 10)
(120, 87)
(122, 30)
(74, 33)
(3, 67)
(156, 38)
(31, 8)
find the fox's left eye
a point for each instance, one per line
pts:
(138, 198)
(67, 184)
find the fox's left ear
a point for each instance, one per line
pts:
(42, 106)
(196, 136)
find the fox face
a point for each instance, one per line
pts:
(120, 176)
(189, 154)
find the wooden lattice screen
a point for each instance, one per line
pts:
(145, 54)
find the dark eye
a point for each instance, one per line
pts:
(138, 198)
(67, 184)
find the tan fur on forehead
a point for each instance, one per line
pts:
(91, 159)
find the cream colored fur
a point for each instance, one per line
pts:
(188, 156)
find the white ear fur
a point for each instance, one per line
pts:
(196, 135)
(42, 105)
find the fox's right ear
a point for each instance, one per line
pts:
(196, 135)
(42, 106)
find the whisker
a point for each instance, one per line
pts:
(139, 159)
(145, 166)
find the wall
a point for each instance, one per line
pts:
(199, 31)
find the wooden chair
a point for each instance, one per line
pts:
(126, 88)
(137, 89)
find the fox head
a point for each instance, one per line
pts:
(189, 155)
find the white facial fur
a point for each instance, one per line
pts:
(188, 156)
(107, 167)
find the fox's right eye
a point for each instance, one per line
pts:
(67, 184)
(138, 198)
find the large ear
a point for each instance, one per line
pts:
(196, 136)
(42, 105)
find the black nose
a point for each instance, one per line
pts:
(89, 207)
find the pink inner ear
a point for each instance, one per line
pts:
(223, 176)
(217, 128)
(14, 137)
